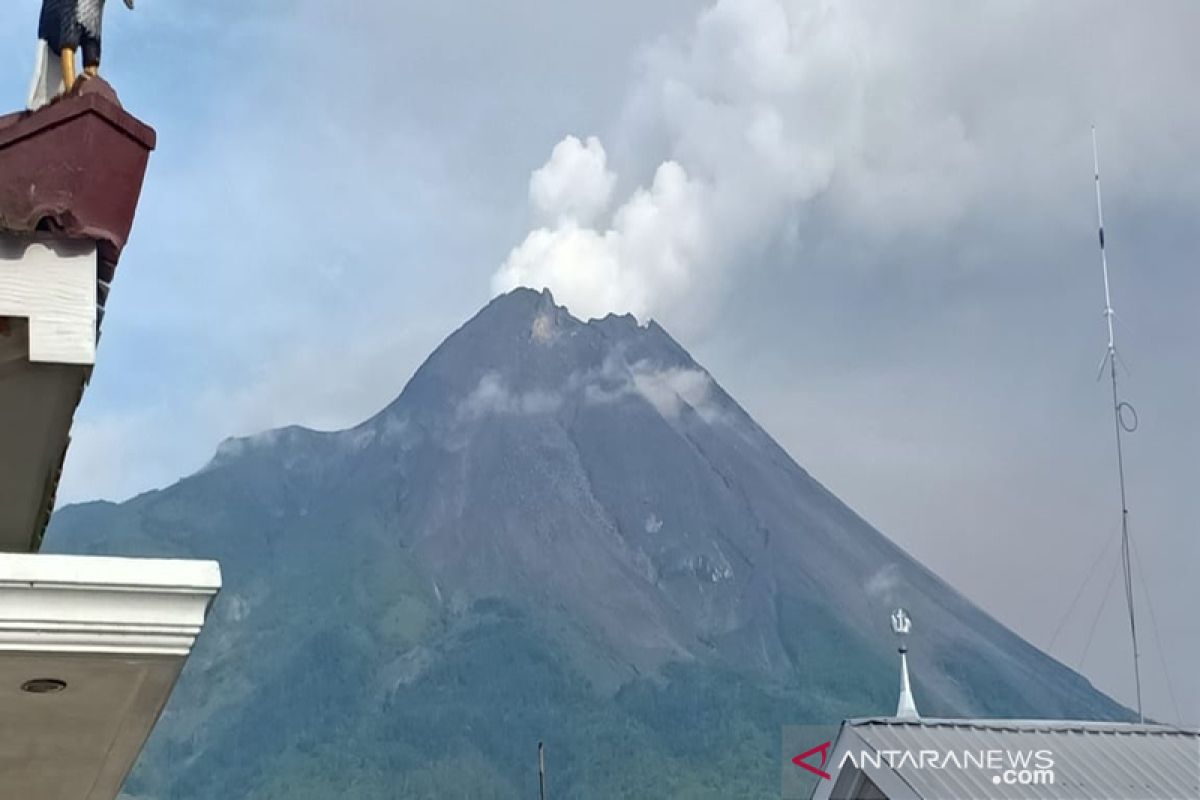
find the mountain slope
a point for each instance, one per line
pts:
(558, 531)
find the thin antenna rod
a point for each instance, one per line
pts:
(1119, 426)
(541, 771)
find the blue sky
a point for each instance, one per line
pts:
(876, 231)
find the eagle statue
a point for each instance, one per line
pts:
(64, 27)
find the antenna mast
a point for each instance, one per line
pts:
(541, 771)
(1120, 425)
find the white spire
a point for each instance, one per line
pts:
(907, 707)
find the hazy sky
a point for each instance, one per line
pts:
(872, 221)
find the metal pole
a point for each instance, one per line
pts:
(1111, 357)
(541, 771)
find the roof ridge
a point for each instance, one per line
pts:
(1093, 726)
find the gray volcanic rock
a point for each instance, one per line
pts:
(559, 530)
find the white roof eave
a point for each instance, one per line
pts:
(116, 632)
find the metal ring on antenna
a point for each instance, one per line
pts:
(1129, 424)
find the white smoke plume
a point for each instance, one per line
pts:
(776, 125)
(575, 186)
(757, 110)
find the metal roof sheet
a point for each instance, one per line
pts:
(1090, 759)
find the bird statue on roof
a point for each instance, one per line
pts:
(64, 27)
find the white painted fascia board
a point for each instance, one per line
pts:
(119, 606)
(53, 285)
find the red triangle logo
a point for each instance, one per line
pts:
(802, 759)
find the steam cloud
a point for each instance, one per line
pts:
(766, 105)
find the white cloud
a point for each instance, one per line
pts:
(670, 390)
(647, 252)
(757, 109)
(575, 185)
(796, 121)
(492, 396)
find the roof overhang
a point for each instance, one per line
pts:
(108, 638)
(48, 322)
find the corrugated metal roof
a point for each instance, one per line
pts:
(1090, 759)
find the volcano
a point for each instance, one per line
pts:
(560, 531)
